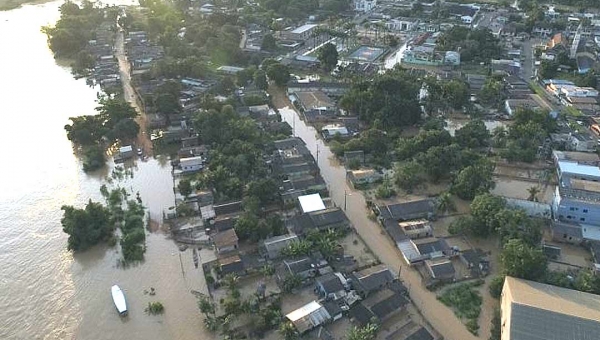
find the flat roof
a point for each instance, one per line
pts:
(304, 28)
(310, 203)
(585, 185)
(576, 156)
(579, 169)
(304, 311)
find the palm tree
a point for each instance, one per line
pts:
(533, 191)
(288, 331)
(499, 136)
(445, 203)
(231, 281)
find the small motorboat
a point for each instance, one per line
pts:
(119, 300)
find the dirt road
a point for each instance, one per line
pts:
(441, 317)
(143, 140)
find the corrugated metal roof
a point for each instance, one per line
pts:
(310, 203)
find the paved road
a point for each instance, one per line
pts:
(334, 174)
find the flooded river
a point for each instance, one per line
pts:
(47, 292)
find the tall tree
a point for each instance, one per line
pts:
(474, 180)
(523, 261)
(328, 56)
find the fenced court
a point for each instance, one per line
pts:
(367, 53)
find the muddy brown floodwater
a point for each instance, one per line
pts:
(46, 291)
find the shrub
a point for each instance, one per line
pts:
(155, 308)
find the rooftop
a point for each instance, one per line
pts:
(310, 203)
(578, 169)
(579, 157)
(303, 28)
(225, 238)
(308, 316)
(314, 99)
(585, 185)
(541, 311)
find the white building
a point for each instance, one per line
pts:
(364, 5)
(308, 317)
(191, 164)
(401, 24)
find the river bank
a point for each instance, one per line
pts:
(49, 292)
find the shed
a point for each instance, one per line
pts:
(126, 152)
(191, 164)
(423, 208)
(231, 265)
(385, 304)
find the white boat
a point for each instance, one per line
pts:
(119, 299)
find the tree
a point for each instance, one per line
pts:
(269, 43)
(86, 227)
(473, 180)
(492, 92)
(328, 56)
(533, 192)
(484, 210)
(456, 94)
(445, 203)
(288, 331)
(278, 73)
(185, 187)
(260, 80)
(291, 282)
(388, 101)
(125, 130)
(495, 287)
(368, 332)
(473, 135)
(93, 158)
(408, 175)
(246, 227)
(523, 261)
(205, 305)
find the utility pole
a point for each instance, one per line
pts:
(317, 153)
(345, 199)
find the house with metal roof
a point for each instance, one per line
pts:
(371, 279)
(424, 208)
(331, 286)
(532, 310)
(309, 316)
(225, 241)
(332, 218)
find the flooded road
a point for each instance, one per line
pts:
(47, 292)
(441, 317)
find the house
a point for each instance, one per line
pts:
(191, 164)
(361, 315)
(465, 13)
(334, 130)
(476, 261)
(424, 208)
(222, 224)
(415, 229)
(315, 105)
(371, 279)
(364, 5)
(231, 70)
(300, 33)
(231, 265)
(332, 218)
(334, 308)
(513, 105)
(303, 267)
(361, 177)
(440, 270)
(225, 241)
(274, 245)
(331, 89)
(385, 304)
(310, 203)
(532, 310)
(228, 209)
(566, 232)
(415, 251)
(295, 187)
(308, 317)
(331, 286)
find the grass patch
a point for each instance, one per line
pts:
(537, 89)
(466, 303)
(571, 111)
